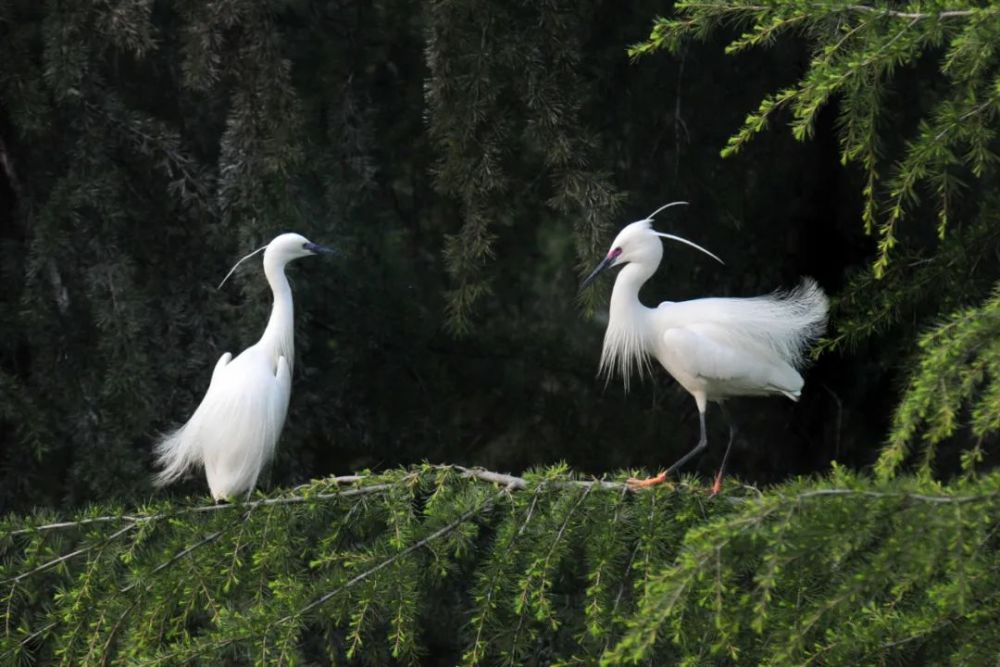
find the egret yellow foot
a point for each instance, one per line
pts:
(635, 483)
(717, 486)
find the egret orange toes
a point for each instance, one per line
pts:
(635, 483)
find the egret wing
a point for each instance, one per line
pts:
(220, 365)
(278, 403)
(239, 422)
(785, 323)
(726, 364)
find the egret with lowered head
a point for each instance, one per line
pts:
(234, 431)
(715, 348)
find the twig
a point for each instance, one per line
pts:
(66, 557)
(883, 11)
(521, 483)
(7, 165)
(465, 516)
(509, 482)
(545, 565)
(177, 556)
(953, 13)
(33, 635)
(287, 500)
(901, 495)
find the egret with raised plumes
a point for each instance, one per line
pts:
(234, 431)
(716, 348)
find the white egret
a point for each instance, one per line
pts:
(716, 348)
(234, 430)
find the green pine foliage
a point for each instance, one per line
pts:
(504, 93)
(476, 568)
(121, 198)
(145, 146)
(467, 155)
(932, 177)
(959, 366)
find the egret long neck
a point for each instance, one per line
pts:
(627, 340)
(625, 305)
(278, 336)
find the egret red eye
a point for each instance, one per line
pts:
(614, 253)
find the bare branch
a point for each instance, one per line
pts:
(954, 13)
(510, 482)
(286, 500)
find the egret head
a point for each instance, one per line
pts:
(286, 247)
(639, 242)
(281, 250)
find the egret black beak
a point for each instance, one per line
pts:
(318, 249)
(597, 271)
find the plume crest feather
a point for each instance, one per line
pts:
(243, 259)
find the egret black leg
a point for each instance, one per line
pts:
(725, 457)
(702, 444)
(662, 477)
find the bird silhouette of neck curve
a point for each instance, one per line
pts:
(630, 325)
(278, 337)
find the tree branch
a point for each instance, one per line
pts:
(954, 13)
(884, 11)
(66, 557)
(511, 482)
(465, 516)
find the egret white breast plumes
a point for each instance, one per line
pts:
(235, 429)
(716, 348)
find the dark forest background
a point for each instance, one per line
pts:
(470, 161)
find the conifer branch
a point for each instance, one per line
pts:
(265, 502)
(948, 14)
(444, 530)
(211, 537)
(65, 557)
(881, 11)
(952, 151)
(791, 562)
(924, 498)
(168, 146)
(511, 482)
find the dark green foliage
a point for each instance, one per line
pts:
(504, 95)
(944, 59)
(148, 145)
(470, 160)
(550, 569)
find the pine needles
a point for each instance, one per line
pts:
(938, 176)
(481, 568)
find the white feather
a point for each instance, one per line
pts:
(625, 352)
(786, 323)
(235, 429)
(715, 347)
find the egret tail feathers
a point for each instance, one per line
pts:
(799, 319)
(176, 453)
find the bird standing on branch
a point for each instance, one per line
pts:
(715, 348)
(234, 431)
